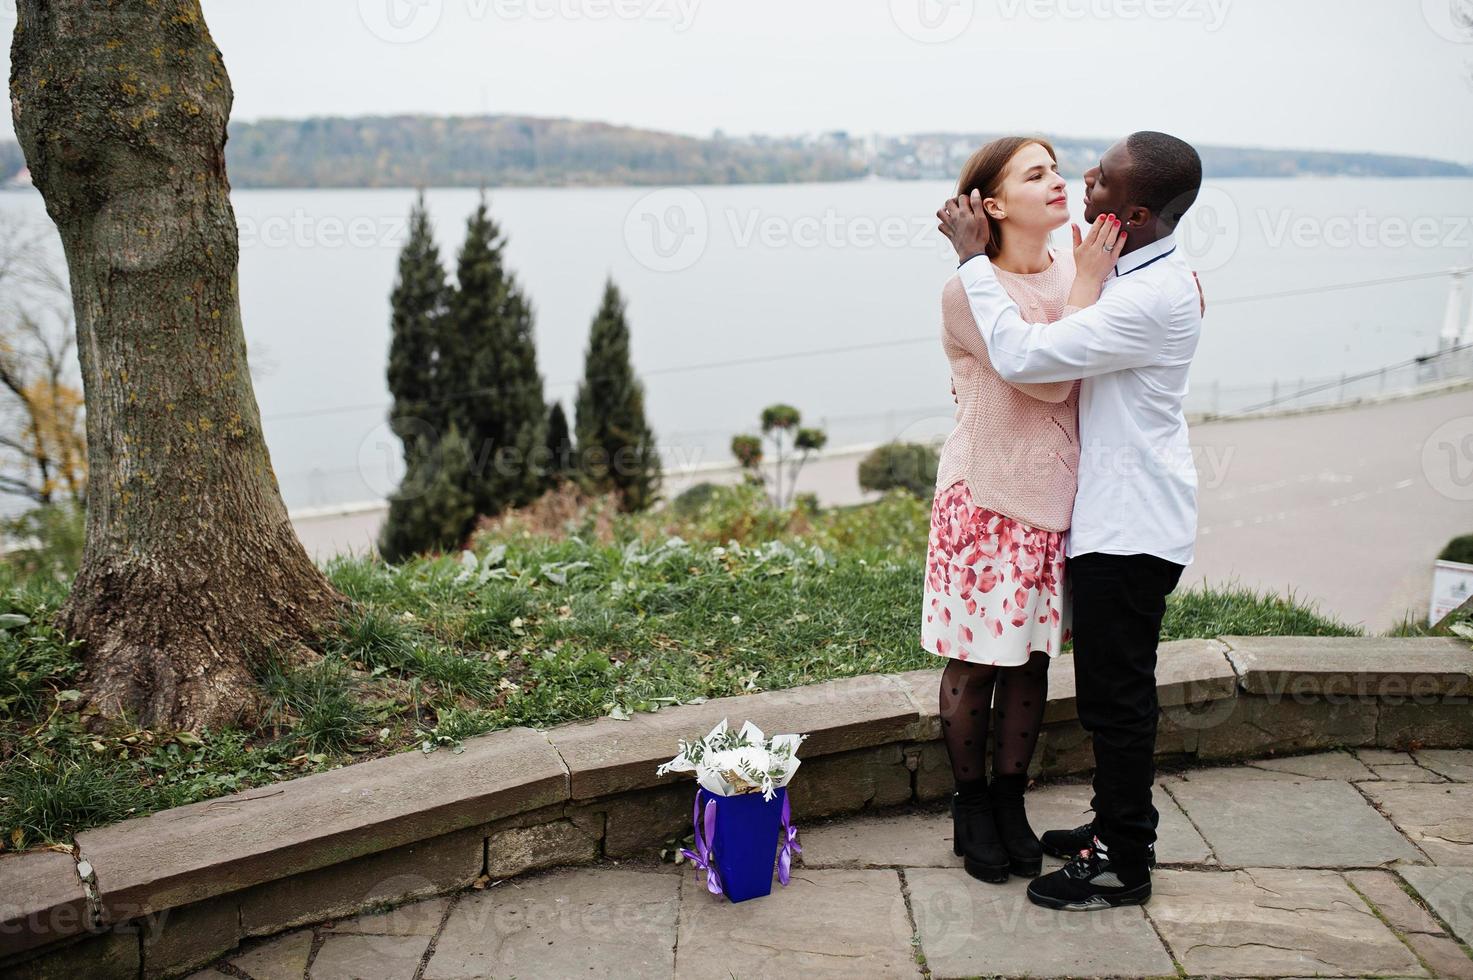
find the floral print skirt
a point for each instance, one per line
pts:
(995, 587)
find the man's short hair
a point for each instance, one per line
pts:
(1165, 174)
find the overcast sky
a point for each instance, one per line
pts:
(1378, 75)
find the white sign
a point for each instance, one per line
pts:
(1452, 581)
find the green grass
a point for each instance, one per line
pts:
(536, 629)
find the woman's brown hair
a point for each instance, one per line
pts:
(984, 172)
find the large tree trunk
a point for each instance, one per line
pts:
(191, 568)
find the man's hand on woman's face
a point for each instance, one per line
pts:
(965, 224)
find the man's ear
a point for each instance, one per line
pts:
(1139, 217)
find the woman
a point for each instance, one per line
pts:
(995, 599)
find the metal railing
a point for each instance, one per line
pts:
(1427, 372)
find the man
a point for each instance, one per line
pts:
(1135, 515)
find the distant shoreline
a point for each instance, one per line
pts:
(408, 188)
(367, 152)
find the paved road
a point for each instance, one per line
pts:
(1337, 507)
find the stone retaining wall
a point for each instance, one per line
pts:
(160, 895)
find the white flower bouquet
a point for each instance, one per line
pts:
(743, 778)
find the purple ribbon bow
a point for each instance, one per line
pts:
(790, 843)
(701, 856)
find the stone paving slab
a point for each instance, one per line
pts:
(1437, 817)
(362, 957)
(907, 838)
(1385, 892)
(1270, 922)
(1443, 955)
(1319, 765)
(1253, 818)
(1397, 766)
(601, 922)
(1455, 764)
(970, 928)
(1062, 806)
(837, 923)
(1448, 892)
(281, 958)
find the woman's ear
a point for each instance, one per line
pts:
(993, 209)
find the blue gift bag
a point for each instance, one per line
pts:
(737, 840)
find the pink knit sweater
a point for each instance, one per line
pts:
(1015, 445)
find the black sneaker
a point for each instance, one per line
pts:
(1089, 882)
(1064, 844)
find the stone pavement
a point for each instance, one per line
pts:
(1334, 864)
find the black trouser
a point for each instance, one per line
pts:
(1118, 604)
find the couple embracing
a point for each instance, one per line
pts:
(1066, 496)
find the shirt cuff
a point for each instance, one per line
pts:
(975, 268)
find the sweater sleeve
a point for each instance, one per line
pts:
(961, 327)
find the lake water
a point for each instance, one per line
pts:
(825, 296)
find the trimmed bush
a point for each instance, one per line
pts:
(909, 466)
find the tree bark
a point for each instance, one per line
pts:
(191, 569)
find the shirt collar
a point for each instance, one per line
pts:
(1132, 261)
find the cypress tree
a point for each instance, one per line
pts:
(432, 509)
(417, 308)
(424, 501)
(559, 445)
(616, 447)
(496, 399)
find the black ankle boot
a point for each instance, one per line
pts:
(1025, 852)
(974, 837)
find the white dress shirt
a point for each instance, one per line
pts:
(1133, 348)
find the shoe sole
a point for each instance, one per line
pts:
(994, 874)
(1134, 896)
(1021, 868)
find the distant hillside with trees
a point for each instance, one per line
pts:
(510, 151)
(465, 151)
